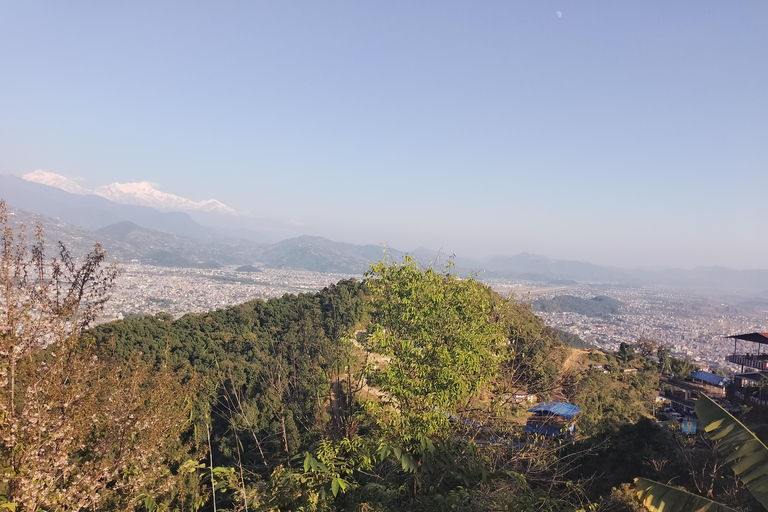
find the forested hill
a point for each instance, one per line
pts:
(282, 356)
(596, 306)
(281, 375)
(275, 357)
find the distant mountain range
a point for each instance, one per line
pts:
(533, 264)
(141, 233)
(93, 212)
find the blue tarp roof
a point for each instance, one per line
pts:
(710, 378)
(562, 409)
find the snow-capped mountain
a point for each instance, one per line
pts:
(56, 180)
(138, 193)
(144, 194)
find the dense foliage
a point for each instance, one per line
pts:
(78, 431)
(445, 338)
(268, 365)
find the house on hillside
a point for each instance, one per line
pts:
(755, 363)
(683, 393)
(556, 419)
(713, 382)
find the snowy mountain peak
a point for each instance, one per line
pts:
(139, 193)
(145, 194)
(55, 180)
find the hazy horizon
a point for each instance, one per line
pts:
(623, 135)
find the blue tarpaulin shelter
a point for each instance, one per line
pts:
(562, 409)
(552, 419)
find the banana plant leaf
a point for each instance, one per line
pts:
(738, 444)
(658, 497)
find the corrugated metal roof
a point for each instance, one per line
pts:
(562, 409)
(710, 378)
(757, 337)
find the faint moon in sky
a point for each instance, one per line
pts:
(559, 14)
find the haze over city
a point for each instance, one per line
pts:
(626, 135)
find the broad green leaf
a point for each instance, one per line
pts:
(408, 463)
(658, 497)
(749, 447)
(739, 445)
(149, 504)
(762, 470)
(722, 433)
(335, 486)
(713, 425)
(750, 461)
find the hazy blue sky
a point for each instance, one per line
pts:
(628, 133)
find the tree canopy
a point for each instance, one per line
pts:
(444, 338)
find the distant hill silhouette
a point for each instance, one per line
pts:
(248, 268)
(165, 250)
(597, 306)
(533, 264)
(322, 255)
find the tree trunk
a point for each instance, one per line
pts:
(285, 434)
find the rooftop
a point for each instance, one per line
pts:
(562, 409)
(757, 337)
(709, 378)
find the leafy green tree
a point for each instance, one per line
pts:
(445, 340)
(681, 367)
(647, 347)
(665, 362)
(626, 352)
